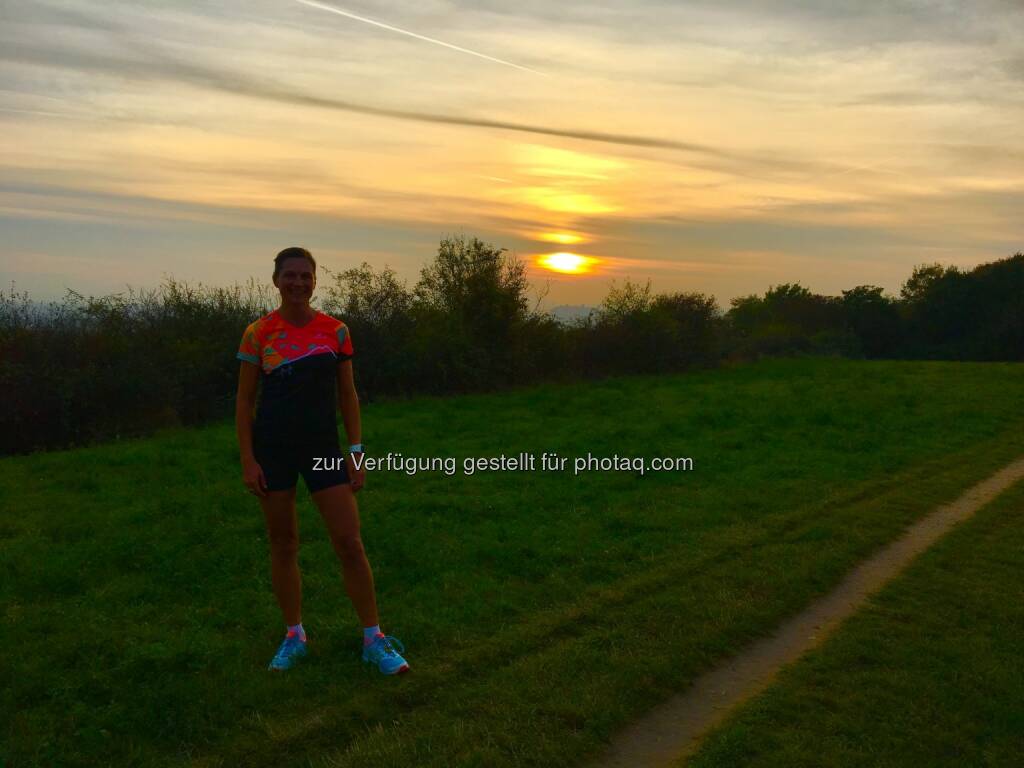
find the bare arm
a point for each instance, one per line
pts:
(245, 404)
(348, 402)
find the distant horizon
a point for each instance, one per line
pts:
(535, 288)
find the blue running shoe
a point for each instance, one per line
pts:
(382, 653)
(291, 650)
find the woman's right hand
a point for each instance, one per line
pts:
(252, 476)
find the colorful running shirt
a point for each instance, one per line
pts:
(298, 369)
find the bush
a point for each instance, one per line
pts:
(84, 369)
(636, 331)
(472, 306)
(377, 308)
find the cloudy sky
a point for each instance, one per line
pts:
(719, 146)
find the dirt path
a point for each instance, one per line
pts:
(673, 730)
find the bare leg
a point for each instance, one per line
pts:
(337, 506)
(283, 531)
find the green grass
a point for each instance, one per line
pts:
(929, 673)
(541, 611)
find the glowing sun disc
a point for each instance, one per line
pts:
(566, 263)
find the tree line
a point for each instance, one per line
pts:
(85, 369)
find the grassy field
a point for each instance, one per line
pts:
(541, 611)
(928, 674)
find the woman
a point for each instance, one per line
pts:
(303, 360)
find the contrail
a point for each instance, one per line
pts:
(365, 20)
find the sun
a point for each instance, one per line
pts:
(566, 263)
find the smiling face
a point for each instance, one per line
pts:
(296, 281)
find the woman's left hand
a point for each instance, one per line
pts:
(357, 477)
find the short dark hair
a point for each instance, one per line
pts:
(292, 253)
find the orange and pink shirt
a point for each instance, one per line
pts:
(298, 371)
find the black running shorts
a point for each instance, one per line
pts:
(321, 463)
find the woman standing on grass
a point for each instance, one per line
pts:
(303, 359)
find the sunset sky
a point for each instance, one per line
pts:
(717, 146)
